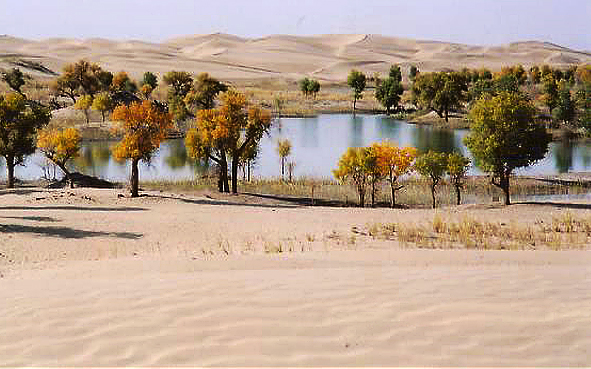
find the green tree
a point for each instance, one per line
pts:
(122, 82)
(432, 165)
(535, 75)
(457, 168)
(143, 127)
(19, 122)
(149, 79)
(284, 150)
(356, 80)
(550, 92)
(389, 93)
(504, 136)
(15, 79)
(441, 92)
(566, 109)
(180, 83)
(414, 71)
(84, 104)
(204, 92)
(353, 168)
(304, 84)
(102, 103)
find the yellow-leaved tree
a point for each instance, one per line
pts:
(144, 127)
(227, 132)
(60, 146)
(353, 168)
(394, 162)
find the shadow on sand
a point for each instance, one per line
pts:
(65, 232)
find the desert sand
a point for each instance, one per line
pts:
(328, 58)
(92, 279)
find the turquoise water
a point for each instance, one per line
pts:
(317, 144)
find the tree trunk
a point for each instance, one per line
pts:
(235, 160)
(10, 172)
(86, 116)
(373, 194)
(393, 198)
(135, 178)
(433, 195)
(66, 174)
(505, 188)
(361, 192)
(249, 166)
(354, 103)
(282, 167)
(224, 173)
(220, 179)
(446, 115)
(458, 195)
(103, 114)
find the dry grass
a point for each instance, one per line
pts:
(564, 232)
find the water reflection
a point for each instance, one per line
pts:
(317, 144)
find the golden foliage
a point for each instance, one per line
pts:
(144, 128)
(59, 146)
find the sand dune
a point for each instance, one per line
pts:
(90, 279)
(327, 57)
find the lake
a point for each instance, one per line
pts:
(317, 144)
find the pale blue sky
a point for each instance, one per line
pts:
(485, 22)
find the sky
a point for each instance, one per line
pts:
(477, 22)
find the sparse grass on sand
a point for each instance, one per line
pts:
(564, 231)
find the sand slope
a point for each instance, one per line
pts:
(327, 57)
(89, 279)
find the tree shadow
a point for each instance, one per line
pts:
(65, 232)
(19, 191)
(79, 208)
(561, 205)
(209, 201)
(35, 219)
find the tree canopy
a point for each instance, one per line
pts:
(356, 80)
(144, 127)
(504, 136)
(441, 91)
(60, 146)
(432, 165)
(19, 122)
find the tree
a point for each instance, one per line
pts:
(353, 168)
(180, 83)
(309, 87)
(204, 92)
(83, 104)
(535, 75)
(504, 136)
(441, 91)
(227, 131)
(356, 80)
(374, 171)
(550, 92)
(457, 168)
(150, 79)
(565, 109)
(15, 80)
(19, 121)
(122, 82)
(414, 72)
(144, 127)
(60, 146)
(103, 103)
(394, 162)
(283, 149)
(389, 92)
(433, 166)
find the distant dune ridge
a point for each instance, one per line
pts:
(325, 57)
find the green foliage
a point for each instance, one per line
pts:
(535, 76)
(122, 82)
(565, 110)
(432, 165)
(356, 80)
(204, 92)
(504, 136)
(19, 122)
(550, 92)
(441, 91)
(149, 79)
(309, 87)
(457, 168)
(179, 83)
(15, 79)
(414, 71)
(389, 91)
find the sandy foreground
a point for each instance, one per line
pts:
(90, 279)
